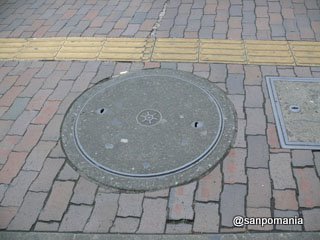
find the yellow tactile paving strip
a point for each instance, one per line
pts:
(299, 53)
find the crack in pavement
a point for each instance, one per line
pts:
(155, 27)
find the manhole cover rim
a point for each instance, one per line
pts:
(227, 138)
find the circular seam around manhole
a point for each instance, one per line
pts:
(148, 130)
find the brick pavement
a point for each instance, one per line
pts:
(39, 191)
(219, 19)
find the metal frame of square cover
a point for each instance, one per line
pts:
(282, 133)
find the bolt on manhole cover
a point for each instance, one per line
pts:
(296, 107)
(148, 130)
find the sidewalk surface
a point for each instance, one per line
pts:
(39, 191)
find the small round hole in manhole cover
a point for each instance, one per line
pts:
(148, 130)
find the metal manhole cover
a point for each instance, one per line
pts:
(296, 107)
(148, 130)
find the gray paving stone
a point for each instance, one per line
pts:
(139, 17)
(302, 71)
(185, 8)
(232, 203)
(57, 202)
(68, 173)
(206, 217)
(3, 189)
(84, 192)
(259, 213)
(153, 219)
(38, 155)
(58, 25)
(311, 219)
(61, 90)
(238, 102)
(131, 30)
(172, 228)
(181, 20)
(317, 161)
(235, 83)
(18, 188)
(258, 152)
(248, 17)
(125, 225)
(248, 6)
(202, 74)
(47, 227)
(287, 72)
(206, 32)
(269, 70)
(180, 202)
(249, 31)
(235, 10)
(16, 108)
(169, 65)
(287, 214)
(302, 158)
(130, 205)
(102, 217)
(259, 188)
(218, 72)
(46, 70)
(19, 69)
(74, 71)
(290, 25)
(207, 21)
(177, 31)
(81, 26)
(240, 138)
(198, 4)
(20, 125)
(156, 194)
(52, 130)
(171, 12)
(280, 171)
(252, 75)
(75, 219)
(256, 121)
(193, 25)
(277, 30)
(52, 81)
(220, 27)
(92, 66)
(43, 182)
(28, 212)
(105, 71)
(254, 97)
(196, 14)
(32, 88)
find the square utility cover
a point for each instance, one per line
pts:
(296, 107)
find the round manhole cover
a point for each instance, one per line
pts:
(148, 130)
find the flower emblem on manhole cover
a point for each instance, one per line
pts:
(149, 117)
